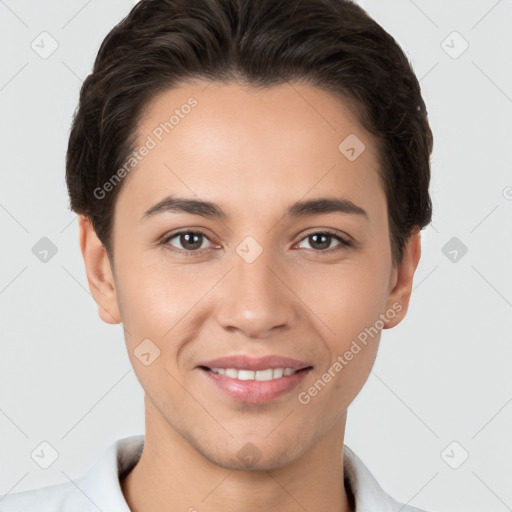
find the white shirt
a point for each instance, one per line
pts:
(99, 489)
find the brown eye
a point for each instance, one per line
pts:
(321, 241)
(190, 241)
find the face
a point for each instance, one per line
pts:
(289, 257)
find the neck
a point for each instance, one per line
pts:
(172, 474)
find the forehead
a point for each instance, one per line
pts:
(252, 145)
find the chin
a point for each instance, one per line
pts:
(257, 455)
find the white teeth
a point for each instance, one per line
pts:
(278, 373)
(264, 374)
(268, 374)
(245, 375)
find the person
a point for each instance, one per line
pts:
(251, 180)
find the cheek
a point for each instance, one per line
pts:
(347, 302)
(164, 304)
(154, 297)
(152, 306)
(347, 298)
(350, 309)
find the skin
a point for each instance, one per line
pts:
(254, 152)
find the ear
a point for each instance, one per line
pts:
(99, 273)
(401, 280)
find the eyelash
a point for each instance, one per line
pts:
(344, 243)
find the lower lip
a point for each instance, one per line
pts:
(255, 391)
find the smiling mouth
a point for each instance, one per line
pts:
(257, 375)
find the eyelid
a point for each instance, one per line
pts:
(330, 231)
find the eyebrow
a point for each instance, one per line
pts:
(208, 209)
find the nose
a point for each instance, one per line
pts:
(256, 298)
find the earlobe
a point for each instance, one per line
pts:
(99, 273)
(398, 300)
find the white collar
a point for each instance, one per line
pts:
(369, 495)
(100, 489)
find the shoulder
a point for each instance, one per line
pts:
(368, 495)
(98, 489)
(52, 498)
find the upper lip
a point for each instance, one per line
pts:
(245, 362)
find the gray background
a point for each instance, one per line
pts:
(442, 375)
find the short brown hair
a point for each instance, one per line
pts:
(332, 44)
